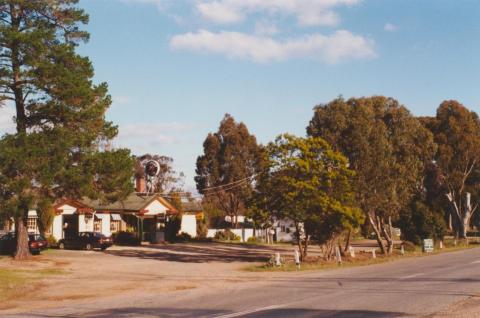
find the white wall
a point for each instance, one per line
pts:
(57, 230)
(155, 208)
(106, 225)
(244, 234)
(82, 226)
(189, 225)
(67, 209)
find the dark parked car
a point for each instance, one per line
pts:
(8, 244)
(87, 241)
(40, 240)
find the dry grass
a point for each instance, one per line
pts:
(21, 278)
(361, 259)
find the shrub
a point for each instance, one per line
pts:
(419, 222)
(183, 237)
(202, 239)
(202, 229)
(52, 241)
(226, 235)
(252, 239)
(409, 246)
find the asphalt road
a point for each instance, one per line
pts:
(414, 287)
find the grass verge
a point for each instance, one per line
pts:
(361, 259)
(19, 282)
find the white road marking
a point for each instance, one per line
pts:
(242, 313)
(412, 276)
(476, 262)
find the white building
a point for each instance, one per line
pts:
(147, 215)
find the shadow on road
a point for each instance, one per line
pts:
(181, 313)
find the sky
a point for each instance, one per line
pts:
(175, 67)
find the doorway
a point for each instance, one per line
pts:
(70, 225)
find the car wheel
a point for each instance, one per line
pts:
(88, 247)
(61, 246)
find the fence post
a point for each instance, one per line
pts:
(296, 256)
(339, 256)
(352, 251)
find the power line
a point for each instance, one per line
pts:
(224, 187)
(231, 183)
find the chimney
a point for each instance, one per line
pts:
(140, 185)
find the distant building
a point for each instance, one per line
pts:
(147, 215)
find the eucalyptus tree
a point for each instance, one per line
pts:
(386, 146)
(230, 161)
(456, 130)
(59, 114)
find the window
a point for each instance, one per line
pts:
(97, 226)
(32, 225)
(114, 226)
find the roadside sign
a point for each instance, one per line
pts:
(427, 245)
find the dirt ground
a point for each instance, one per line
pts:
(123, 274)
(155, 269)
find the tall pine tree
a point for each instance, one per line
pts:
(60, 114)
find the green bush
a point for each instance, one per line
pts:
(226, 235)
(202, 229)
(409, 246)
(52, 241)
(419, 222)
(252, 239)
(183, 237)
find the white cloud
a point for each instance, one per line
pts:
(160, 4)
(389, 27)
(265, 28)
(307, 12)
(340, 46)
(147, 137)
(7, 124)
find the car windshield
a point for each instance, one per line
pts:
(35, 237)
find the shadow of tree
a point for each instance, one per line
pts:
(181, 313)
(200, 253)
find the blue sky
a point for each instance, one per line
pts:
(175, 67)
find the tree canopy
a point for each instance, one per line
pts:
(456, 131)
(56, 151)
(231, 159)
(386, 146)
(309, 183)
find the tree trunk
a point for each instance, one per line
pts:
(301, 250)
(388, 238)
(465, 220)
(378, 236)
(347, 243)
(22, 252)
(305, 245)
